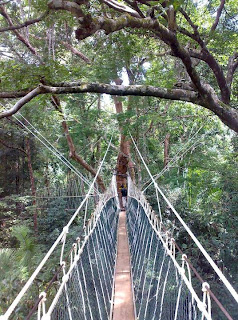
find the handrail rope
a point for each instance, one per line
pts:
(158, 283)
(76, 259)
(141, 264)
(85, 284)
(100, 278)
(167, 251)
(151, 279)
(169, 246)
(60, 237)
(146, 271)
(53, 197)
(197, 242)
(198, 276)
(58, 154)
(50, 284)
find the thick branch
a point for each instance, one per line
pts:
(72, 7)
(219, 11)
(73, 154)
(4, 13)
(210, 101)
(231, 68)
(75, 51)
(26, 98)
(11, 147)
(186, 16)
(121, 8)
(26, 23)
(134, 5)
(2, 3)
(207, 57)
(121, 90)
(89, 26)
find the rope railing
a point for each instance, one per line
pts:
(86, 287)
(162, 288)
(174, 249)
(110, 193)
(226, 283)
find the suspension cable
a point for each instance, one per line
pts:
(183, 150)
(79, 174)
(51, 148)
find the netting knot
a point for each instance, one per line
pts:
(66, 229)
(65, 278)
(43, 295)
(205, 287)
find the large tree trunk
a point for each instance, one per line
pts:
(123, 157)
(124, 164)
(98, 146)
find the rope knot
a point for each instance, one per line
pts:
(66, 229)
(65, 278)
(43, 295)
(184, 257)
(205, 287)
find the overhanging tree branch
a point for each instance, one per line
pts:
(226, 113)
(121, 8)
(90, 25)
(219, 11)
(79, 87)
(75, 51)
(72, 7)
(4, 13)
(231, 68)
(207, 57)
(12, 147)
(25, 24)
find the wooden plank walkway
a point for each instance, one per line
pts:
(123, 298)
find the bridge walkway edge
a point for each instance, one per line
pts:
(123, 296)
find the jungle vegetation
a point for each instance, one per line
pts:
(80, 71)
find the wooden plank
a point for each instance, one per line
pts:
(123, 298)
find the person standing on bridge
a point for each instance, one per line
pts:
(124, 196)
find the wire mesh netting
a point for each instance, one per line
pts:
(159, 290)
(87, 293)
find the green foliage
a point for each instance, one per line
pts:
(16, 265)
(52, 222)
(27, 248)
(202, 184)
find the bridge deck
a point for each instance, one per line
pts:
(123, 298)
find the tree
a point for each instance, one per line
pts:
(197, 48)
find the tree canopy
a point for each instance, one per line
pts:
(199, 40)
(169, 69)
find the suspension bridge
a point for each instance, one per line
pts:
(127, 265)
